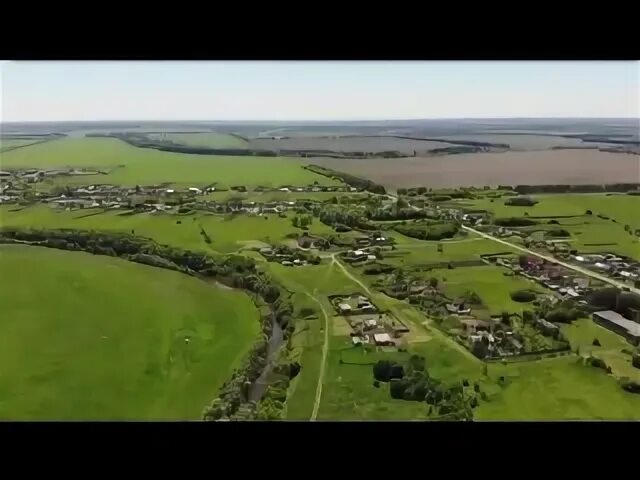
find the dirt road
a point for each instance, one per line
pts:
(575, 268)
(323, 363)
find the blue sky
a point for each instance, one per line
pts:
(44, 91)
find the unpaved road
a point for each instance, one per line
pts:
(323, 363)
(575, 268)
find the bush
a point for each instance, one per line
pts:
(523, 296)
(596, 343)
(635, 360)
(514, 222)
(521, 201)
(557, 232)
(597, 363)
(376, 383)
(382, 370)
(630, 386)
(553, 222)
(559, 315)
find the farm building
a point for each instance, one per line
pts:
(344, 308)
(383, 339)
(619, 324)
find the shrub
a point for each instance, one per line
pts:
(523, 296)
(514, 222)
(553, 222)
(557, 232)
(376, 383)
(559, 315)
(635, 360)
(596, 343)
(630, 386)
(597, 363)
(521, 201)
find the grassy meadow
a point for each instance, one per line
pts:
(92, 337)
(227, 233)
(148, 166)
(556, 389)
(585, 229)
(488, 283)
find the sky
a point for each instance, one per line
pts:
(346, 90)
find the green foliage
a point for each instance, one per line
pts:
(521, 201)
(514, 222)
(523, 296)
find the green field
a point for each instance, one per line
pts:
(556, 389)
(91, 337)
(227, 233)
(10, 143)
(585, 229)
(148, 166)
(488, 282)
(203, 139)
(411, 251)
(584, 331)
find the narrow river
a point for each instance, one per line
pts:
(257, 389)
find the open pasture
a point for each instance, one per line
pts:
(556, 389)
(227, 233)
(92, 337)
(146, 166)
(488, 283)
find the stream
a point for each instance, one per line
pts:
(257, 388)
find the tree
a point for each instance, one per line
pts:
(295, 221)
(588, 212)
(433, 282)
(505, 318)
(627, 228)
(522, 260)
(382, 370)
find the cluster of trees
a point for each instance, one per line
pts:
(237, 270)
(302, 221)
(437, 231)
(352, 180)
(615, 187)
(514, 222)
(412, 382)
(382, 214)
(562, 315)
(521, 201)
(557, 233)
(523, 296)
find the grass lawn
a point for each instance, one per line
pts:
(93, 337)
(411, 251)
(227, 233)
(149, 166)
(488, 282)
(582, 333)
(556, 389)
(204, 139)
(9, 143)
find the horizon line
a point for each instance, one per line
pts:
(297, 120)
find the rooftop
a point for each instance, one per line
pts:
(632, 327)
